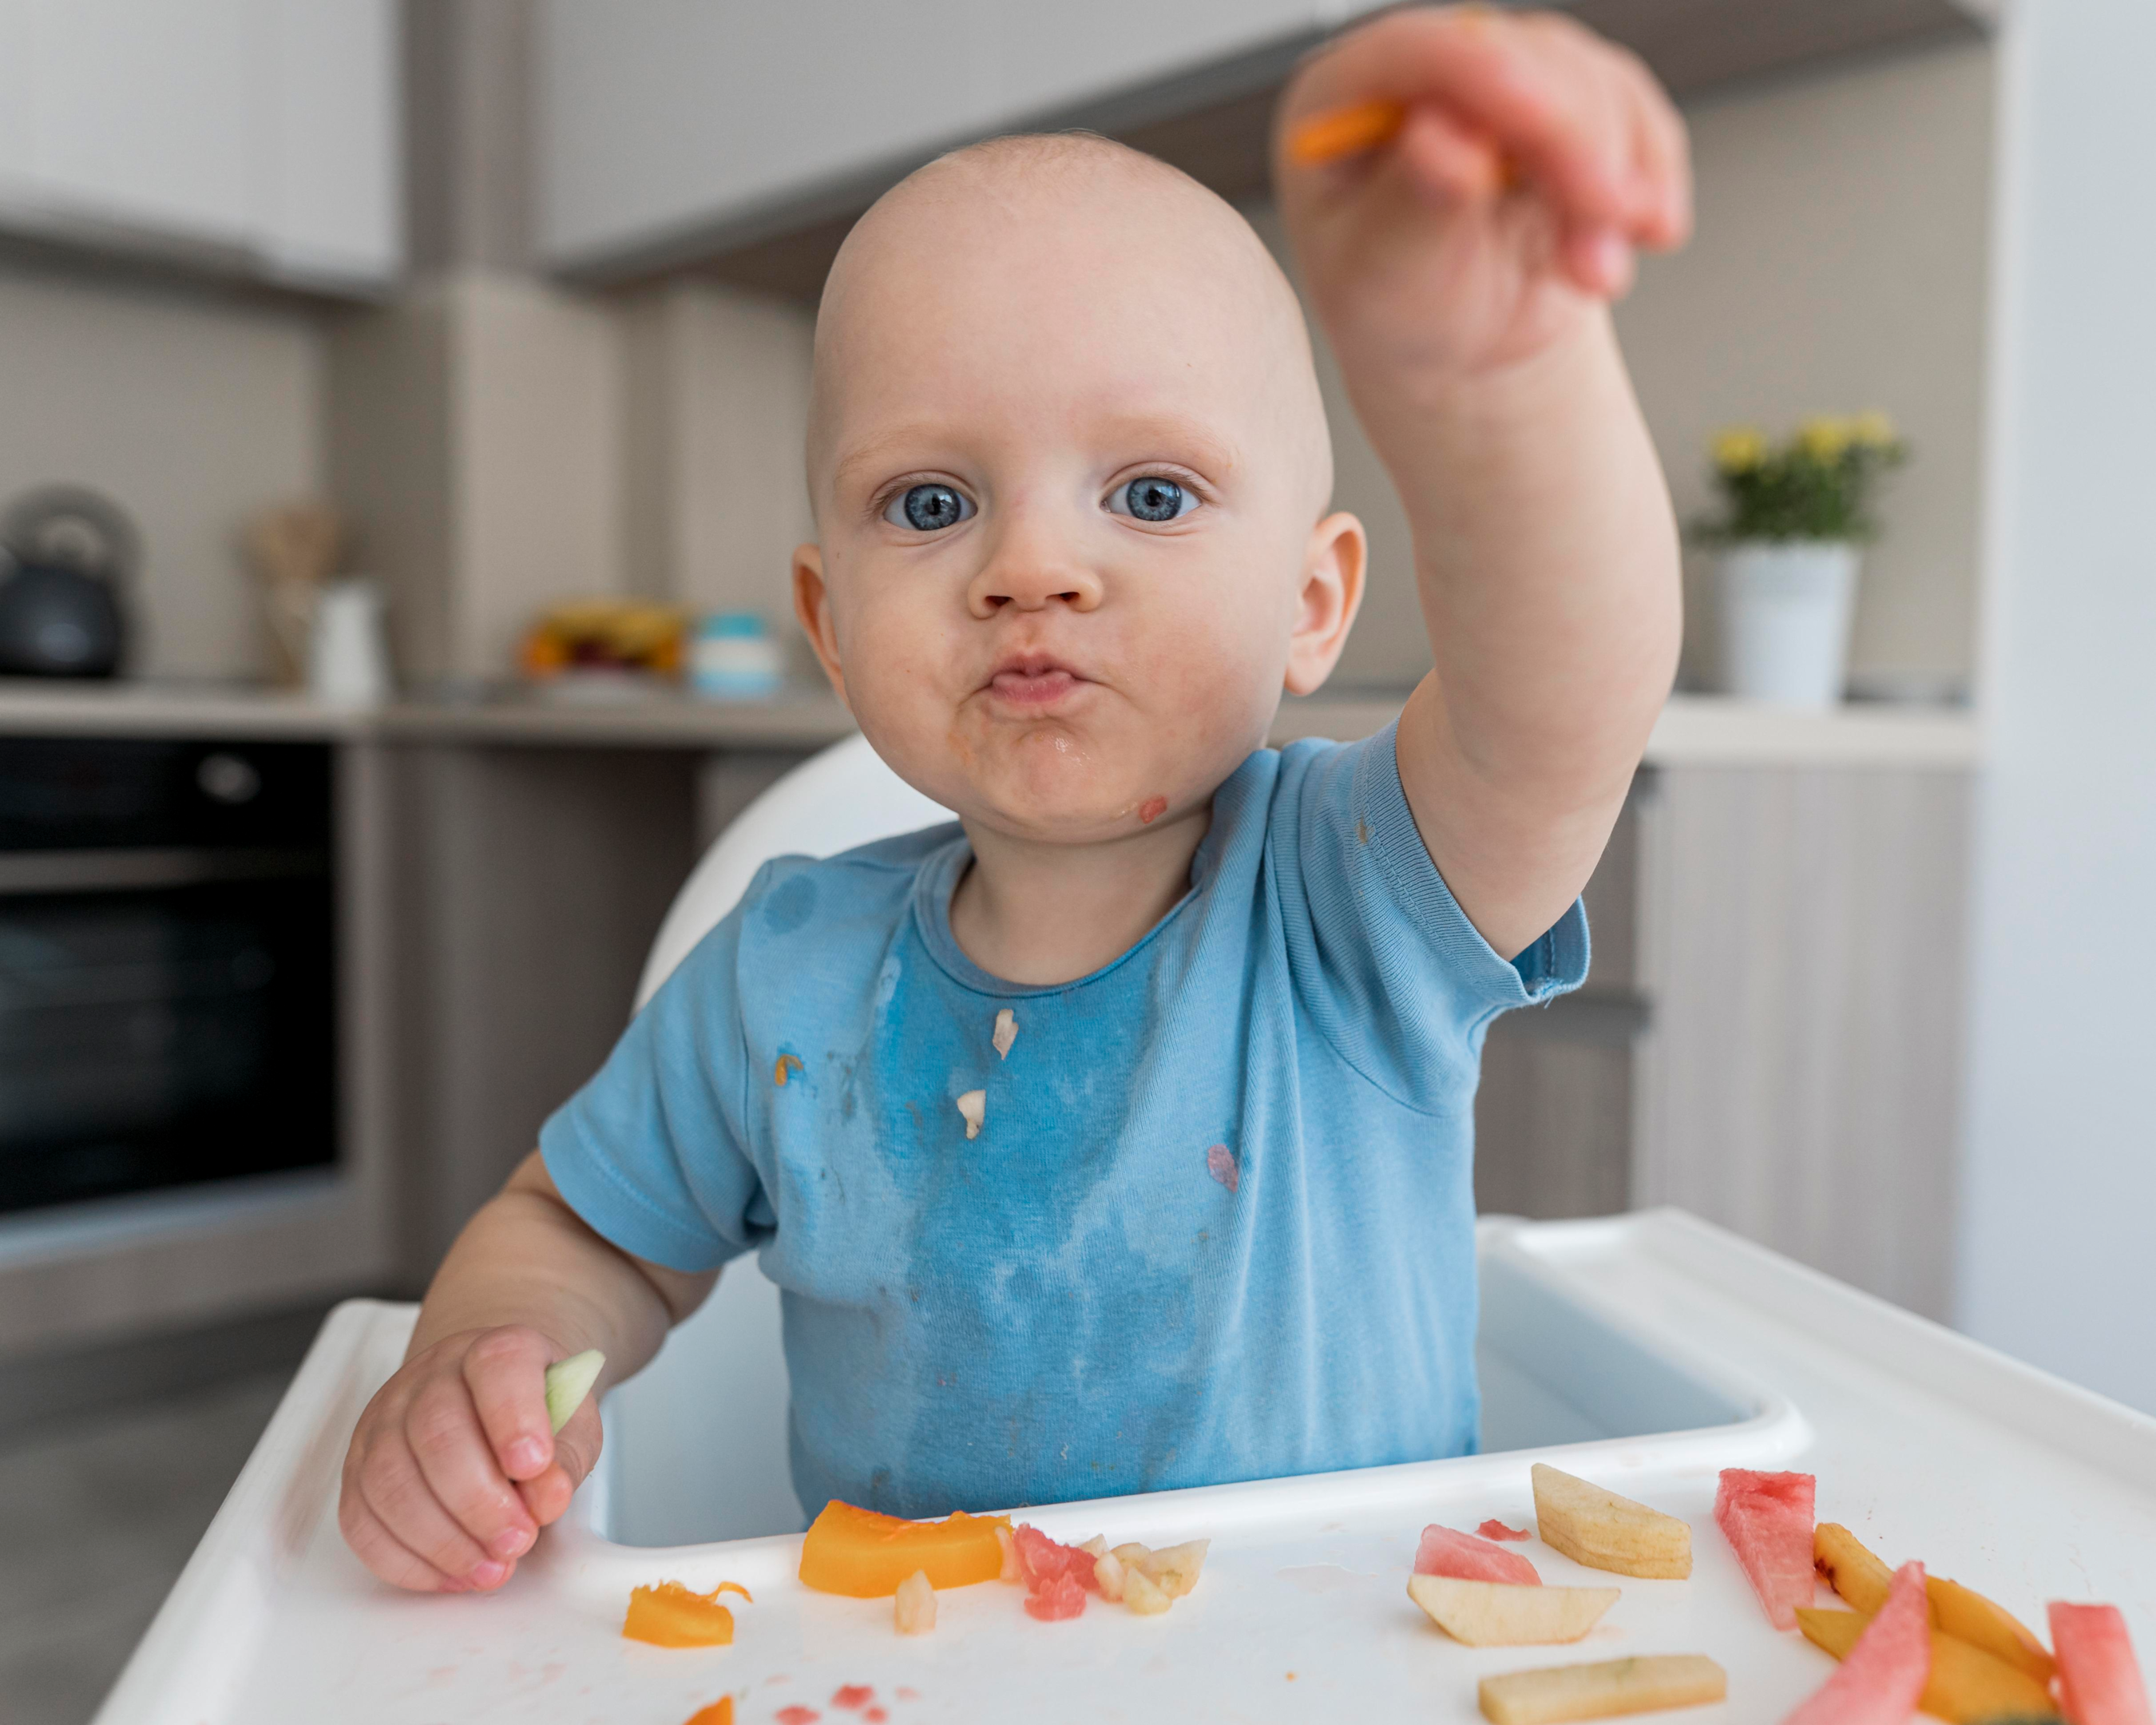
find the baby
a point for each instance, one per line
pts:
(1213, 1218)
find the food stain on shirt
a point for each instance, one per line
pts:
(1221, 1163)
(787, 1064)
(1006, 1032)
(974, 1106)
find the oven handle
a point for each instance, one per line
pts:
(23, 872)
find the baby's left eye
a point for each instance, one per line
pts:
(1152, 499)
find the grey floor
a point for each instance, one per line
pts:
(98, 1515)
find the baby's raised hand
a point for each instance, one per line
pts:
(1531, 159)
(452, 1470)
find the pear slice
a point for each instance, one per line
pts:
(1509, 1614)
(568, 1382)
(1600, 1691)
(1599, 1528)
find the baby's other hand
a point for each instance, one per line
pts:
(1532, 160)
(452, 1470)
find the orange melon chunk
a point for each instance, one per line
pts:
(865, 1556)
(670, 1615)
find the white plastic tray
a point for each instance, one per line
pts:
(1647, 1352)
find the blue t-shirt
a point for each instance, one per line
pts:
(1217, 1223)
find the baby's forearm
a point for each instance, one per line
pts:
(527, 1258)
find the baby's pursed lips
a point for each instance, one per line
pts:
(1033, 678)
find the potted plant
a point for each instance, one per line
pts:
(1795, 515)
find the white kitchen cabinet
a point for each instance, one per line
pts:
(674, 117)
(252, 136)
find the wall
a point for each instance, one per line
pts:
(190, 409)
(1840, 264)
(2060, 1179)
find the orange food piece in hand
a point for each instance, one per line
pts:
(1337, 133)
(719, 1713)
(865, 1555)
(670, 1615)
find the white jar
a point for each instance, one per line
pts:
(348, 659)
(1786, 606)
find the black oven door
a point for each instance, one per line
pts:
(166, 1017)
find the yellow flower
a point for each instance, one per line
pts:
(1873, 429)
(1824, 438)
(1738, 449)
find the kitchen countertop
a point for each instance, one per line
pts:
(1693, 729)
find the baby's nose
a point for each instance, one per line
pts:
(1025, 572)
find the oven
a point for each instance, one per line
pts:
(167, 964)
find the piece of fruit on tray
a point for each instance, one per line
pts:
(1852, 1571)
(1885, 1668)
(1446, 1551)
(2099, 1678)
(1599, 1528)
(1604, 1690)
(671, 1616)
(865, 1555)
(1967, 1686)
(913, 1606)
(1503, 1613)
(1767, 1518)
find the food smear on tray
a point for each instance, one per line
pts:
(672, 1615)
(1557, 1693)
(865, 1555)
(1596, 1527)
(1767, 1517)
(1468, 1556)
(1504, 1614)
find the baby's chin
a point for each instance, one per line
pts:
(1050, 787)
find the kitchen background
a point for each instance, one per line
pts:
(524, 289)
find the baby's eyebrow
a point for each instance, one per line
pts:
(879, 450)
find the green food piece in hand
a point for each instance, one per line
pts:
(568, 1382)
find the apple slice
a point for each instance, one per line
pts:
(1599, 1528)
(568, 1382)
(1560, 1693)
(1509, 1614)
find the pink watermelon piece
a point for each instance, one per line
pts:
(1767, 1517)
(2099, 1678)
(1053, 1601)
(1463, 1556)
(1885, 1674)
(1041, 1560)
(1494, 1529)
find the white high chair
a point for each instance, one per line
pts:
(696, 1445)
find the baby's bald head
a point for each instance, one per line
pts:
(1071, 241)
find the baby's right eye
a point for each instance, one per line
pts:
(931, 508)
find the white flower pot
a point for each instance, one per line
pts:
(1786, 605)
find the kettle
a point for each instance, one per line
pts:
(64, 552)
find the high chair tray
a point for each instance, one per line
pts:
(1645, 1353)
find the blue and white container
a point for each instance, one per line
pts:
(735, 658)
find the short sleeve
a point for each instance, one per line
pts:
(652, 1152)
(1386, 962)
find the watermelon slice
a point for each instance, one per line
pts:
(2099, 1679)
(1494, 1529)
(1465, 1558)
(1880, 1680)
(1767, 1517)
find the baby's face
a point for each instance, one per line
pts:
(1068, 469)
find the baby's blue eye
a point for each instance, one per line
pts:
(930, 507)
(1152, 499)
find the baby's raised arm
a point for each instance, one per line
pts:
(452, 1470)
(1462, 269)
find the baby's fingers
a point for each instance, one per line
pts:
(458, 1467)
(505, 1371)
(387, 1558)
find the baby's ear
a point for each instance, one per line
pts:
(812, 605)
(1333, 569)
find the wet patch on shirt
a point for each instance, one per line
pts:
(1221, 1163)
(786, 1065)
(792, 904)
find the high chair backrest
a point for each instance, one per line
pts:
(695, 1444)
